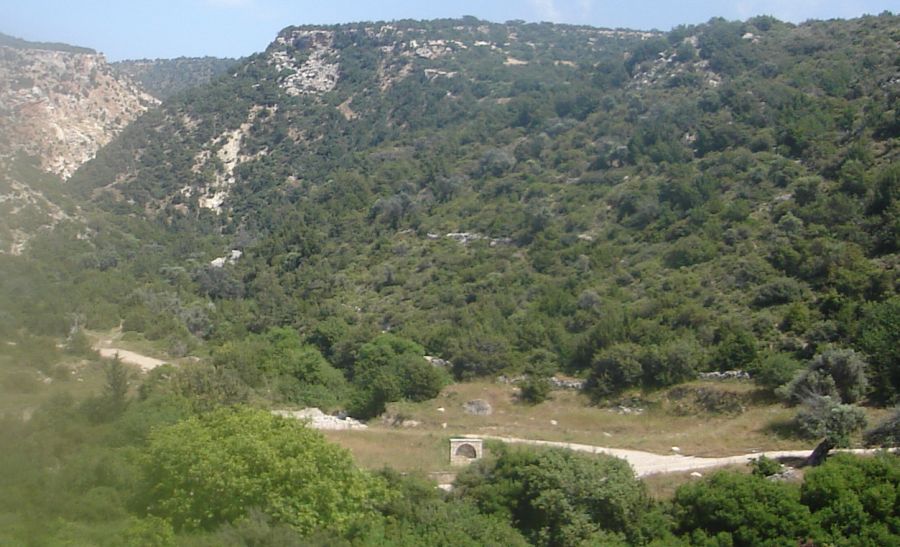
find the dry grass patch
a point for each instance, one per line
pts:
(657, 429)
(407, 451)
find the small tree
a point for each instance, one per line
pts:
(615, 369)
(775, 370)
(540, 366)
(836, 373)
(739, 509)
(559, 497)
(112, 402)
(833, 422)
(116, 388)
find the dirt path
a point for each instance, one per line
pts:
(145, 363)
(105, 345)
(648, 463)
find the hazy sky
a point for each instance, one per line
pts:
(128, 29)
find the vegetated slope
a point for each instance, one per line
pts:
(58, 105)
(546, 195)
(163, 78)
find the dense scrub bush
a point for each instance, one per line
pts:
(775, 370)
(212, 469)
(390, 368)
(559, 497)
(741, 510)
(839, 373)
(854, 500)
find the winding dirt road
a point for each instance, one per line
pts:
(648, 463)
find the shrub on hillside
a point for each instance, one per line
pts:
(560, 497)
(836, 373)
(741, 510)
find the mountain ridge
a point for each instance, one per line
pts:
(630, 209)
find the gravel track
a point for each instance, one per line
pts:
(648, 463)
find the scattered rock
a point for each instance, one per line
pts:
(478, 407)
(437, 361)
(566, 383)
(726, 375)
(230, 259)
(676, 449)
(696, 475)
(503, 379)
(788, 475)
(467, 237)
(444, 425)
(80, 106)
(441, 409)
(554, 422)
(319, 420)
(306, 61)
(627, 410)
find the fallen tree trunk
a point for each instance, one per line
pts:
(820, 454)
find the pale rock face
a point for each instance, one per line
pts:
(317, 419)
(317, 73)
(62, 107)
(59, 107)
(227, 147)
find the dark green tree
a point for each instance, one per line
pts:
(559, 497)
(741, 510)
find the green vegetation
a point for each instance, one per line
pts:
(559, 497)
(164, 78)
(211, 469)
(844, 502)
(638, 228)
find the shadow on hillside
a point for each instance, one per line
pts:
(786, 428)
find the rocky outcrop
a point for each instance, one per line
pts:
(478, 407)
(306, 60)
(317, 419)
(62, 106)
(58, 105)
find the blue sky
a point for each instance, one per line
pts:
(128, 29)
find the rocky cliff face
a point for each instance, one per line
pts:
(58, 105)
(61, 106)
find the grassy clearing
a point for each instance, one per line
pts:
(403, 450)
(763, 425)
(657, 429)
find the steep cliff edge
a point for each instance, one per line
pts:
(62, 105)
(58, 105)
